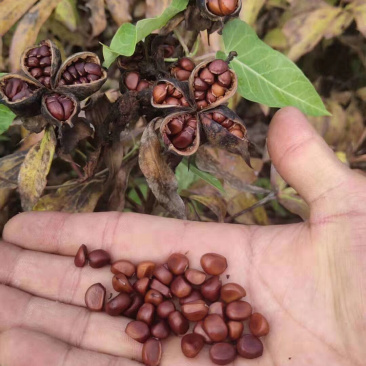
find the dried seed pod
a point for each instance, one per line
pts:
(21, 95)
(217, 9)
(41, 63)
(131, 63)
(181, 133)
(87, 74)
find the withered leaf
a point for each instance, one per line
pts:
(9, 169)
(98, 18)
(120, 10)
(5, 194)
(358, 7)
(67, 14)
(216, 204)
(33, 172)
(159, 176)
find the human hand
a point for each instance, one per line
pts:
(308, 279)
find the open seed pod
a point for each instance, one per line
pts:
(81, 74)
(217, 9)
(21, 95)
(60, 108)
(224, 129)
(132, 81)
(170, 93)
(181, 133)
(41, 62)
(131, 63)
(212, 83)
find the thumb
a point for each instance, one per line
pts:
(303, 158)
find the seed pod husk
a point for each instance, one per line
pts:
(54, 64)
(131, 63)
(169, 138)
(229, 91)
(82, 89)
(219, 136)
(206, 13)
(26, 106)
(65, 108)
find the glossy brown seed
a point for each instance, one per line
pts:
(199, 95)
(238, 310)
(72, 70)
(44, 51)
(79, 66)
(81, 255)
(178, 323)
(67, 105)
(210, 98)
(13, 86)
(195, 277)
(210, 290)
(158, 286)
(218, 117)
(142, 285)
(225, 79)
(249, 346)
(170, 89)
(99, 258)
(182, 75)
(161, 272)
(165, 308)
(198, 329)
(232, 292)
(228, 7)
(218, 67)
(145, 269)
(146, 313)
(195, 311)
(235, 329)
(123, 266)
(33, 62)
(121, 283)
(67, 76)
(33, 52)
(172, 101)
(186, 64)
(217, 308)
(137, 301)
(192, 344)
(83, 80)
(200, 85)
(180, 287)
(227, 123)
(152, 352)
(46, 82)
(47, 71)
(45, 61)
(183, 139)
(92, 68)
(237, 133)
(194, 296)
(92, 77)
(218, 90)
(215, 327)
(222, 353)
(36, 72)
(22, 94)
(258, 325)
(95, 296)
(214, 7)
(159, 93)
(178, 263)
(213, 264)
(132, 79)
(137, 330)
(202, 104)
(177, 94)
(160, 330)
(118, 304)
(175, 126)
(154, 297)
(207, 76)
(56, 110)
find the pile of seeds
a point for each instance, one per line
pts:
(167, 93)
(60, 106)
(182, 71)
(17, 89)
(165, 298)
(181, 130)
(81, 72)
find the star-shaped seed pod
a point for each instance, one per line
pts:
(217, 9)
(49, 88)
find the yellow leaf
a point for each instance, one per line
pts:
(250, 10)
(276, 39)
(9, 169)
(66, 13)
(120, 10)
(358, 7)
(33, 172)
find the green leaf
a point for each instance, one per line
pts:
(267, 76)
(67, 14)
(2, 74)
(128, 35)
(185, 177)
(6, 118)
(207, 177)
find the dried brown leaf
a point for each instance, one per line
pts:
(9, 169)
(216, 204)
(120, 10)
(98, 19)
(358, 7)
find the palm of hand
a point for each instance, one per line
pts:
(307, 278)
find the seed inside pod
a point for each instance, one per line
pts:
(165, 93)
(17, 89)
(183, 70)
(38, 61)
(181, 132)
(81, 72)
(61, 107)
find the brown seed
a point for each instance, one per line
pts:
(33, 52)
(13, 86)
(195, 311)
(228, 7)
(143, 84)
(207, 76)
(218, 67)
(72, 70)
(121, 283)
(218, 90)
(67, 76)
(45, 61)
(218, 117)
(249, 346)
(177, 94)
(235, 329)
(182, 75)
(199, 95)
(210, 98)
(213, 264)
(141, 285)
(146, 313)
(160, 330)
(152, 352)
(192, 344)
(161, 272)
(118, 304)
(172, 101)
(99, 258)
(145, 269)
(195, 277)
(47, 71)
(198, 329)
(178, 323)
(154, 297)
(56, 110)
(67, 105)
(184, 102)
(79, 66)
(232, 292)
(44, 51)
(211, 289)
(180, 287)
(158, 286)
(92, 68)
(137, 330)
(178, 263)
(222, 353)
(238, 310)
(227, 123)
(183, 140)
(202, 104)
(46, 82)
(225, 79)
(217, 308)
(165, 308)
(186, 64)
(258, 325)
(81, 255)
(215, 327)
(214, 7)
(83, 80)
(36, 72)
(137, 301)
(200, 85)
(123, 266)
(33, 62)
(159, 93)
(175, 126)
(132, 79)
(194, 296)
(95, 296)
(170, 89)
(237, 133)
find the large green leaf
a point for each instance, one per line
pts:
(267, 76)
(6, 118)
(128, 35)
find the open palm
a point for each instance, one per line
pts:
(308, 279)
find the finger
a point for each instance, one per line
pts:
(21, 347)
(73, 325)
(303, 158)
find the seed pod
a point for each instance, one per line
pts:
(217, 9)
(87, 75)
(131, 63)
(21, 95)
(41, 63)
(132, 81)
(187, 139)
